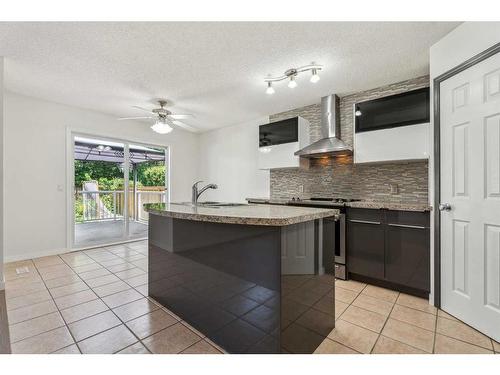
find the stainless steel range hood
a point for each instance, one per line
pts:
(330, 144)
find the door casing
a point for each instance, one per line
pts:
(437, 159)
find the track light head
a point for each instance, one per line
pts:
(270, 88)
(315, 76)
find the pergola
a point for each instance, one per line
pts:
(87, 149)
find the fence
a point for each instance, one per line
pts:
(110, 204)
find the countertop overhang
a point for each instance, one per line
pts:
(246, 214)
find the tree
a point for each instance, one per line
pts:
(151, 175)
(96, 170)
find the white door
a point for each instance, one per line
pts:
(470, 183)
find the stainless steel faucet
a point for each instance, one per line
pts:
(196, 193)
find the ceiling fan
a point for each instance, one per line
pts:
(164, 119)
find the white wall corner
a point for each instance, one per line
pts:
(2, 166)
(228, 158)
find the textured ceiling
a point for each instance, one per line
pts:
(213, 70)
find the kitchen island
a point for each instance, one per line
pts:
(249, 277)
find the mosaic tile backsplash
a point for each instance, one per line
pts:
(398, 182)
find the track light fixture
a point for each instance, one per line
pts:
(290, 74)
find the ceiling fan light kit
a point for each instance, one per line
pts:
(290, 75)
(161, 127)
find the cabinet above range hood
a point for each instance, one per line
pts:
(330, 144)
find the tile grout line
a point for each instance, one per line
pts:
(52, 298)
(110, 309)
(186, 324)
(340, 316)
(57, 307)
(59, 311)
(385, 323)
(123, 323)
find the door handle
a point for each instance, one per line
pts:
(444, 207)
(407, 226)
(364, 222)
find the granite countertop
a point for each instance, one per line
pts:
(360, 204)
(390, 206)
(267, 200)
(246, 214)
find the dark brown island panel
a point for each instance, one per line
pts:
(390, 248)
(249, 278)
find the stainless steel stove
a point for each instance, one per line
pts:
(334, 232)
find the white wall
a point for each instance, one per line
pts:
(228, 158)
(464, 42)
(2, 285)
(35, 164)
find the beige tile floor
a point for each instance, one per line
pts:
(95, 301)
(374, 320)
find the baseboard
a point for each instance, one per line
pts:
(45, 253)
(389, 285)
(38, 254)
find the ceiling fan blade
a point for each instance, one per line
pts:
(184, 126)
(134, 118)
(180, 117)
(142, 109)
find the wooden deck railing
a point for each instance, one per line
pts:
(110, 204)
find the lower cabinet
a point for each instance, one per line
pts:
(365, 241)
(392, 247)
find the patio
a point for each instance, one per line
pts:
(108, 231)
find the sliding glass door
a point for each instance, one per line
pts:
(109, 192)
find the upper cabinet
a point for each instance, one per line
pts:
(393, 128)
(278, 141)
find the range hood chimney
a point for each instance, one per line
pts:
(330, 144)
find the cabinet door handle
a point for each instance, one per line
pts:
(364, 222)
(407, 226)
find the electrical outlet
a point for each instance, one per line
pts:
(394, 189)
(21, 270)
